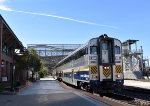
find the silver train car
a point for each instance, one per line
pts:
(95, 66)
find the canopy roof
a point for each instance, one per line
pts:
(8, 35)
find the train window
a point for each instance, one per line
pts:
(104, 46)
(93, 50)
(79, 53)
(84, 51)
(117, 49)
(65, 74)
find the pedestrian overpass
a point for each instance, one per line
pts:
(51, 54)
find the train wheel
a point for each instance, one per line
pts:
(86, 88)
(81, 85)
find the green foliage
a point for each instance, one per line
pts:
(21, 62)
(17, 83)
(30, 59)
(1, 88)
(43, 72)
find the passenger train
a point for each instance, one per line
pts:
(95, 66)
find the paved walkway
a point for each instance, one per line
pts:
(44, 86)
(139, 84)
(48, 92)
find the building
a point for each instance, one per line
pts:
(9, 43)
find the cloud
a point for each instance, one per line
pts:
(4, 8)
(2, 1)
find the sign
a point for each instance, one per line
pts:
(4, 78)
(2, 65)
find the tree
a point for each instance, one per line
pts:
(29, 60)
(34, 60)
(21, 61)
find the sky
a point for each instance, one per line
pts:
(77, 21)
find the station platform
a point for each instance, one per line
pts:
(137, 84)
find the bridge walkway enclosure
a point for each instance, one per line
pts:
(51, 54)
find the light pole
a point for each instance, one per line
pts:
(12, 81)
(142, 66)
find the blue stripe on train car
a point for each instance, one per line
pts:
(119, 81)
(81, 75)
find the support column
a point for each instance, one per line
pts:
(142, 68)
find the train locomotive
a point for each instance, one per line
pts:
(95, 66)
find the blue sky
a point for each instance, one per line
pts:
(76, 21)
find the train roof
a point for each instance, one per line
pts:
(84, 45)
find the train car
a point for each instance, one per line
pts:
(95, 66)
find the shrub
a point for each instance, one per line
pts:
(43, 72)
(1, 88)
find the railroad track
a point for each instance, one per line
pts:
(129, 100)
(136, 93)
(123, 99)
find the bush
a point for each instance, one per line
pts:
(17, 83)
(1, 88)
(43, 72)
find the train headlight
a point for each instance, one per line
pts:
(105, 67)
(118, 76)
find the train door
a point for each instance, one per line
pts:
(106, 59)
(105, 56)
